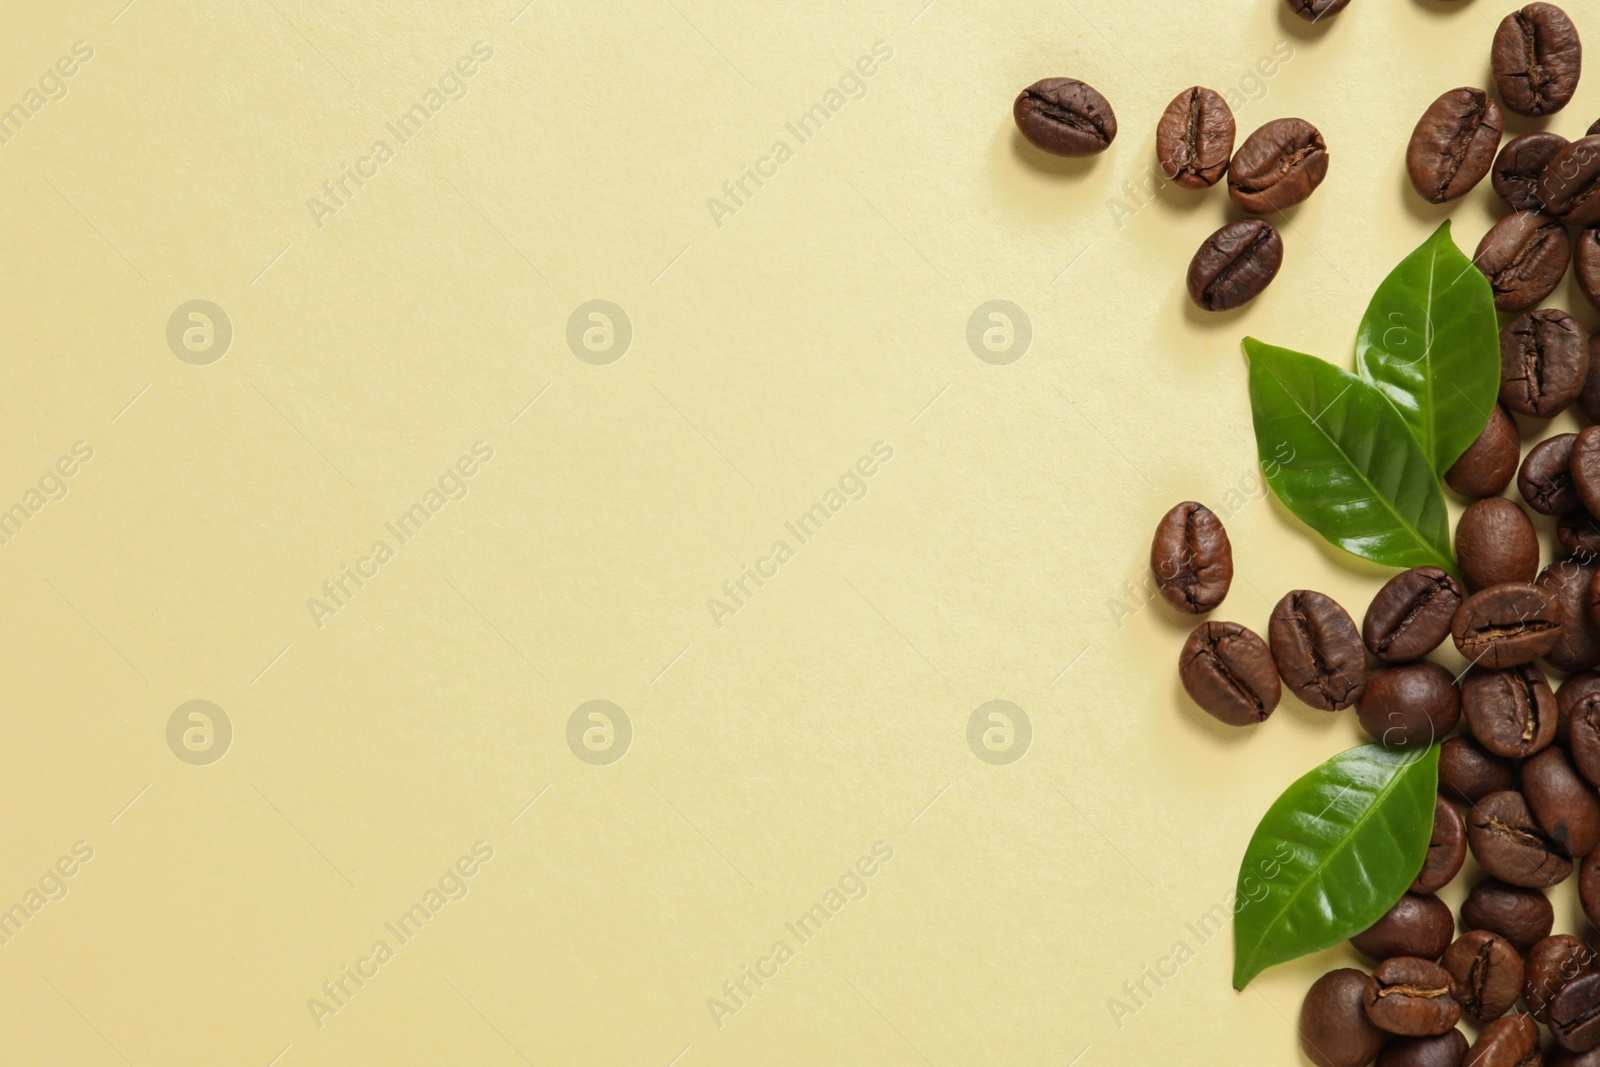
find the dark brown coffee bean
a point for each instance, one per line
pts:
(1560, 1057)
(1537, 59)
(1521, 916)
(1524, 256)
(1234, 265)
(1447, 847)
(1584, 466)
(1589, 887)
(1417, 925)
(1586, 265)
(1544, 360)
(1563, 804)
(1510, 1041)
(1229, 672)
(1508, 843)
(1454, 144)
(1411, 614)
(1485, 974)
(1065, 117)
(1411, 997)
(1194, 139)
(1487, 467)
(1578, 703)
(1468, 773)
(1191, 558)
(1570, 185)
(1410, 704)
(1449, 1049)
(1572, 582)
(1574, 1013)
(1507, 625)
(1519, 165)
(1545, 480)
(1511, 712)
(1589, 399)
(1551, 964)
(1574, 690)
(1334, 1028)
(1316, 10)
(1579, 534)
(1495, 544)
(1277, 166)
(1318, 650)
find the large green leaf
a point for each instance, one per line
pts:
(1333, 854)
(1340, 457)
(1430, 343)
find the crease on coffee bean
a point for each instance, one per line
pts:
(1461, 144)
(1217, 659)
(1065, 116)
(1239, 262)
(1435, 587)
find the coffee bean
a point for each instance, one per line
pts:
(1410, 704)
(1316, 10)
(1411, 997)
(1411, 614)
(1510, 1041)
(1563, 804)
(1560, 1057)
(1229, 672)
(1447, 847)
(1318, 651)
(1584, 466)
(1235, 264)
(1507, 625)
(1586, 264)
(1277, 166)
(1518, 166)
(1334, 1028)
(1579, 534)
(1468, 773)
(1449, 1049)
(1194, 138)
(1574, 1013)
(1454, 143)
(1485, 974)
(1537, 60)
(1589, 886)
(1544, 360)
(1521, 916)
(1489, 464)
(1545, 480)
(1417, 925)
(1191, 558)
(1495, 544)
(1508, 843)
(1551, 964)
(1065, 117)
(1570, 184)
(1524, 256)
(1589, 399)
(1578, 704)
(1572, 582)
(1511, 712)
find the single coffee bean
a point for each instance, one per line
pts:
(1563, 804)
(1537, 59)
(1510, 1041)
(1510, 712)
(1523, 917)
(1417, 925)
(1579, 534)
(1318, 650)
(1570, 184)
(1586, 263)
(1410, 704)
(1495, 544)
(1589, 886)
(1571, 582)
(1194, 139)
(1411, 997)
(1449, 1049)
(1560, 1057)
(1508, 843)
(1524, 256)
(1277, 166)
(1507, 625)
(1334, 1028)
(1574, 690)
(1579, 705)
(1574, 1013)
(1229, 672)
(1485, 974)
(1518, 166)
(1468, 773)
(1065, 117)
(1411, 614)
(1234, 265)
(1487, 467)
(1316, 10)
(1589, 399)
(1584, 466)
(1191, 558)
(1454, 143)
(1545, 480)
(1447, 847)
(1544, 360)
(1551, 964)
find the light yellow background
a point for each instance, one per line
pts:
(987, 560)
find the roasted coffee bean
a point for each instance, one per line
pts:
(1521, 916)
(1537, 59)
(1334, 1028)
(1579, 534)
(1578, 703)
(1316, 10)
(1417, 925)
(1495, 544)
(1585, 467)
(1447, 847)
(1454, 144)
(1589, 886)
(1485, 974)
(1545, 480)
(1194, 139)
(1572, 581)
(1574, 690)
(1551, 964)
(1234, 265)
(1589, 399)
(1524, 256)
(1563, 804)
(1574, 1013)
(1518, 166)
(1411, 614)
(1508, 843)
(1318, 650)
(1411, 997)
(1544, 360)
(1560, 1057)
(1449, 1049)
(1191, 558)
(1510, 712)
(1468, 773)
(1507, 625)
(1510, 1041)
(1277, 166)
(1065, 117)
(1586, 265)
(1229, 672)
(1570, 184)
(1487, 467)
(1410, 704)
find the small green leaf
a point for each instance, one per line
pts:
(1333, 854)
(1430, 342)
(1340, 457)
